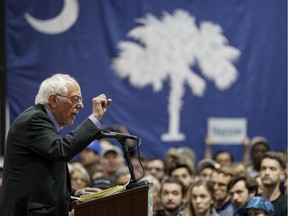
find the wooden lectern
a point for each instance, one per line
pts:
(137, 201)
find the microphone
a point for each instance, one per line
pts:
(111, 134)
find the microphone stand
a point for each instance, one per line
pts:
(133, 181)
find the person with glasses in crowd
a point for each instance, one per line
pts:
(36, 179)
(156, 168)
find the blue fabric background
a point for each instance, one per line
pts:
(257, 28)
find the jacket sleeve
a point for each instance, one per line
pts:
(43, 138)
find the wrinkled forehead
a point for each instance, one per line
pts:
(73, 88)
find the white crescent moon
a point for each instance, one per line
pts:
(59, 24)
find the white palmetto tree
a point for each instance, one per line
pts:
(165, 49)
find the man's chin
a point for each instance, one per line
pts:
(238, 206)
(171, 209)
(67, 124)
(71, 122)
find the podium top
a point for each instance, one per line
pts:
(121, 193)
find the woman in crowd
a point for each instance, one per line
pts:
(80, 178)
(200, 199)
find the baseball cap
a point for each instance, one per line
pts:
(259, 202)
(110, 148)
(95, 146)
(103, 182)
(259, 139)
(181, 152)
(207, 163)
(186, 152)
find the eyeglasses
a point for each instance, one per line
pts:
(74, 99)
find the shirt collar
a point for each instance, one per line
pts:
(58, 127)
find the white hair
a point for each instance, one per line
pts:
(56, 84)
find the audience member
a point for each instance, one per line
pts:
(111, 160)
(170, 157)
(80, 178)
(179, 155)
(103, 182)
(156, 168)
(272, 167)
(259, 146)
(225, 157)
(74, 165)
(186, 155)
(241, 189)
(200, 196)
(171, 198)
(239, 169)
(184, 173)
(90, 157)
(205, 168)
(259, 206)
(105, 143)
(220, 179)
(123, 176)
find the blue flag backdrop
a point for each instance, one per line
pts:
(168, 65)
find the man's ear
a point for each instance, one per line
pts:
(53, 100)
(282, 175)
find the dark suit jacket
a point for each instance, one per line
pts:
(36, 179)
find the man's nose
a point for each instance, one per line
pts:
(170, 196)
(80, 105)
(267, 172)
(235, 197)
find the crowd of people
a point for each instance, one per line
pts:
(216, 185)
